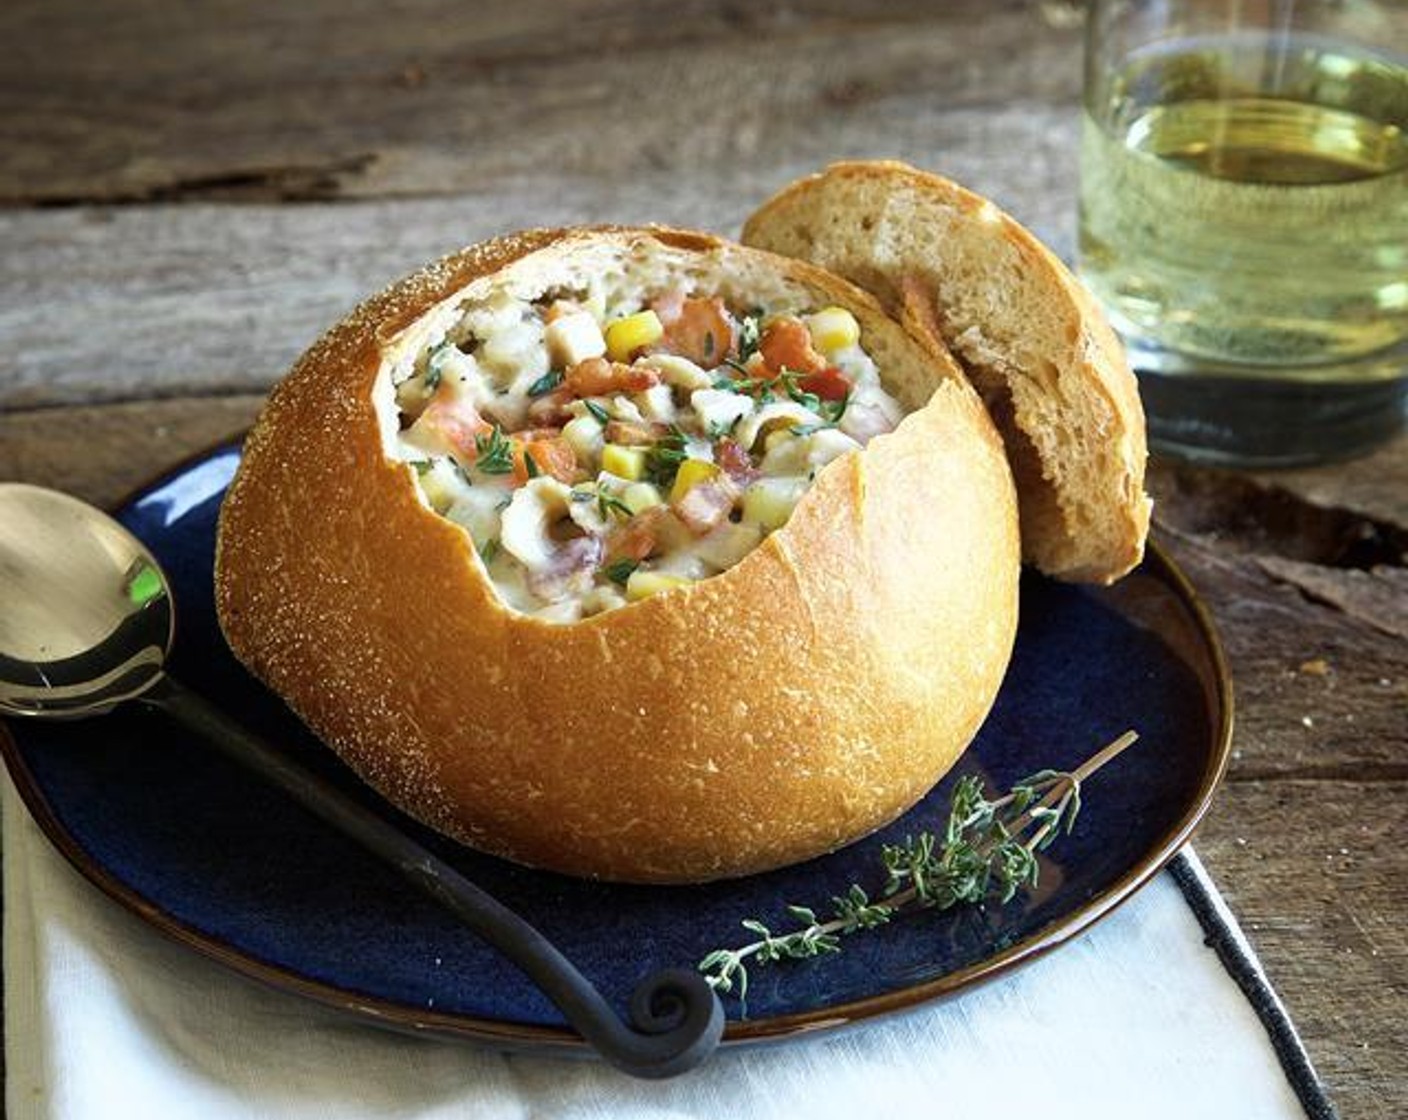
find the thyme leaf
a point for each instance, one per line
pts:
(620, 571)
(987, 848)
(494, 451)
(609, 504)
(546, 384)
(663, 458)
(433, 370)
(602, 416)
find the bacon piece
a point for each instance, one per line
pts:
(830, 384)
(787, 344)
(550, 409)
(570, 571)
(706, 505)
(733, 457)
(633, 435)
(640, 536)
(696, 328)
(597, 377)
(551, 454)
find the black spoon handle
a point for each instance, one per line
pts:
(676, 1019)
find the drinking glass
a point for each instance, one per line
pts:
(1244, 219)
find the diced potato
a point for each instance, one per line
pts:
(574, 338)
(657, 404)
(477, 508)
(729, 543)
(642, 585)
(514, 348)
(585, 435)
(691, 473)
(832, 329)
(625, 336)
(639, 496)
(627, 462)
(769, 501)
(677, 371)
(720, 408)
(440, 484)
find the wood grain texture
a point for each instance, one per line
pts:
(266, 100)
(201, 299)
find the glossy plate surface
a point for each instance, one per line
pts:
(207, 854)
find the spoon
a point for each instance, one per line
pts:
(86, 623)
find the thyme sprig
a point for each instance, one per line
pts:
(494, 452)
(987, 848)
(767, 389)
(664, 456)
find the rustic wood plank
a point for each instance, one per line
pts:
(103, 453)
(1299, 838)
(335, 98)
(111, 304)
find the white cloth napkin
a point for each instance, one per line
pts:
(105, 1018)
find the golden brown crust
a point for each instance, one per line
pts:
(1084, 512)
(798, 701)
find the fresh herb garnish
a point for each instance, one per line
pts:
(838, 408)
(495, 452)
(423, 467)
(546, 384)
(609, 504)
(718, 429)
(433, 372)
(606, 503)
(530, 465)
(620, 571)
(663, 458)
(987, 848)
(488, 550)
(766, 389)
(602, 416)
(810, 429)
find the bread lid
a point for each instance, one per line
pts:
(1029, 337)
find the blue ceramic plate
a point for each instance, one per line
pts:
(209, 855)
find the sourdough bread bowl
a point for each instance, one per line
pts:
(714, 725)
(1027, 334)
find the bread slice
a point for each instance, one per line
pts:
(1049, 368)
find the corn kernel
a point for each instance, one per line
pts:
(691, 473)
(832, 329)
(623, 462)
(642, 585)
(625, 336)
(640, 496)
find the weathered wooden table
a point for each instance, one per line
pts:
(192, 192)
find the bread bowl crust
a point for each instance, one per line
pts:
(786, 707)
(1091, 530)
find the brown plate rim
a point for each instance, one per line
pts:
(526, 1036)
